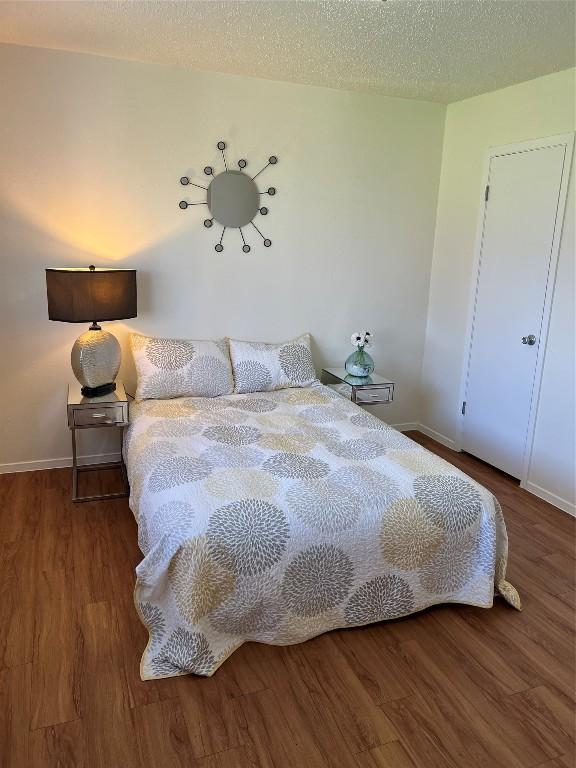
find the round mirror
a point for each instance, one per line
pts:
(233, 199)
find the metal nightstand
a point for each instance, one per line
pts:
(110, 410)
(372, 390)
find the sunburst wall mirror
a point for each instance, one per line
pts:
(233, 199)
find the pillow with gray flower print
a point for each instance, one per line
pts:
(263, 367)
(168, 368)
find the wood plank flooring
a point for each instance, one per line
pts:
(453, 687)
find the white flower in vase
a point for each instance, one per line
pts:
(359, 363)
(361, 340)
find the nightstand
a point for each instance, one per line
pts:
(372, 390)
(110, 410)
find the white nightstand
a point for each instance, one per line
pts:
(371, 390)
(107, 411)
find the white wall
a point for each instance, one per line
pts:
(91, 150)
(538, 108)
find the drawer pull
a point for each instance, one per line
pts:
(102, 416)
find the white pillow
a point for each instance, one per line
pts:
(181, 367)
(261, 367)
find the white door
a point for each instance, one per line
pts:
(520, 217)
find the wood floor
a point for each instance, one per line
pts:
(453, 687)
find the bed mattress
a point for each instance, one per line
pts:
(276, 516)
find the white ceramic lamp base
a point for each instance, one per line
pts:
(95, 361)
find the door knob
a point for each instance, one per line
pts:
(530, 340)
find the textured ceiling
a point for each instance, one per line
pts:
(432, 49)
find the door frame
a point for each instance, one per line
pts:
(567, 141)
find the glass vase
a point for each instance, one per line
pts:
(359, 363)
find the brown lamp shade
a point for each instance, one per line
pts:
(86, 295)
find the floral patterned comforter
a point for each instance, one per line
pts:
(276, 516)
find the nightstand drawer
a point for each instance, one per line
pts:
(95, 417)
(369, 390)
(375, 396)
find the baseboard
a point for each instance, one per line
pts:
(406, 427)
(537, 490)
(100, 458)
(551, 498)
(66, 461)
(416, 426)
(438, 436)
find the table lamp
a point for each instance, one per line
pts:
(92, 294)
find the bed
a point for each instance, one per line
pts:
(276, 516)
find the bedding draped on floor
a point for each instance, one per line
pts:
(276, 516)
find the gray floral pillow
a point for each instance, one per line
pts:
(260, 367)
(181, 368)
